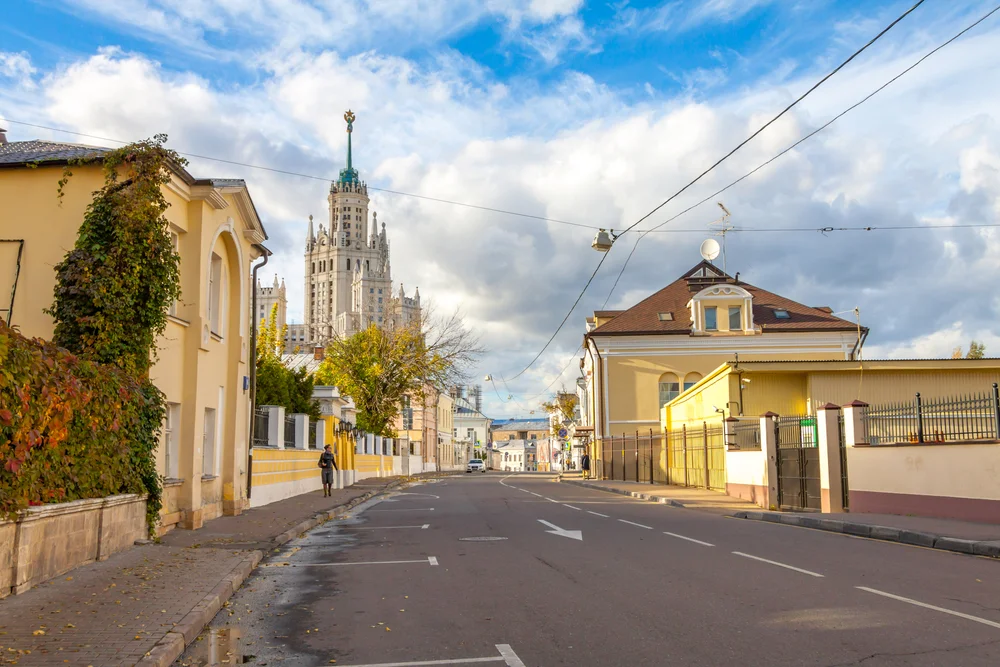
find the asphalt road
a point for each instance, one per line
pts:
(397, 583)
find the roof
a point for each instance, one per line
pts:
(18, 153)
(294, 362)
(785, 365)
(521, 425)
(643, 318)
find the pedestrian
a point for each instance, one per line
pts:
(327, 464)
(585, 465)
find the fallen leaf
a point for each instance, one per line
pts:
(38, 632)
(70, 625)
(69, 578)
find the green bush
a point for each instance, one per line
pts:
(72, 428)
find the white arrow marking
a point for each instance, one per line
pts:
(556, 530)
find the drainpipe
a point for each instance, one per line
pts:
(598, 394)
(253, 365)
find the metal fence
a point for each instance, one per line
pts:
(952, 419)
(696, 456)
(289, 432)
(747, 435)
(260, 427)
(842, 444)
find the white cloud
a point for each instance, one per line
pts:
(925, 150)
(17, 66)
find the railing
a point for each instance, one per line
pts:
(746, 435)
(260, 429)
(954, 419)
(289, 432)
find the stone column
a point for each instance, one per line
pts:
(320, 428)
(301, 431)
(729, 424)
(830, 480)
(855, 430)
(769, 448)
(275, 426)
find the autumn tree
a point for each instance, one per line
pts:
(563, 405)
(977, 350)
(276, 383)
(378, 366)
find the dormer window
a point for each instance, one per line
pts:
(711, 318)
(735, 318)
(722, 308)
(781, 314)
(665, 317)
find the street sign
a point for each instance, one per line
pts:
(563, 433)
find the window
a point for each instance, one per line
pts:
(691, 379)
(534, 436)
(215, 295)
(171, 441)
(522, 435)
(175, 245)
(371, 290)
(368, 265)
(670, 388)
(208, 444)
(735, 318)
(348, 263)
(711, 319)
(665, 317)
(782, 314)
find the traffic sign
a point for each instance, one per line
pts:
(563, 433)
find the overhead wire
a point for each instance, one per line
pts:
(713, 166)
(807, 137)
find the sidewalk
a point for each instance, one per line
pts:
(981, 539)
(144, 605)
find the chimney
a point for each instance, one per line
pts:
(319, 353)
(3, 136)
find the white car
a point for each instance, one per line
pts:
(476, 464)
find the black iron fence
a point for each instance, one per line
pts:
(289, 432)
(746, 435)
(953, 419)
(260, 426)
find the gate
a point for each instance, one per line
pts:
(696, 456)
(798, 463)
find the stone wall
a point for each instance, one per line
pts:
(46, 541)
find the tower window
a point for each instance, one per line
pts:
(348, 263)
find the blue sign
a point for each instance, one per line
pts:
(563, 433)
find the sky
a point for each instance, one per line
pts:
(570, 110)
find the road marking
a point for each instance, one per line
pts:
(423, 527)
(556, 530)
(412, 509)
(968, 617)
(551, 500)
(689, 539)
(460, 661)
(598, 514)
(417, 494)
(571, 507)
(432, 560)
(633, 523)
(774, 562)
(509, 656)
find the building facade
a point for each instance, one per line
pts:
(348, 273)
(519, 429)
(516, 456)
(268, 298)
(471, 426)
(638, 360)
(203, 356)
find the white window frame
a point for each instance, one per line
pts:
(171, 441)
(215, 295)
(209, 439)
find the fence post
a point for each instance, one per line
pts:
(996, 411)
(831, 480)
(301, 431)
(684, 451)
(275, 426)
(704, 426)
(624, 476)
(651, 455)
(637, 456)
(855, 426)
(769, 447)
(920, 420)
(320, 427)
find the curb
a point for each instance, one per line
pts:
(172, 645)
(989, 548)
(660, 500)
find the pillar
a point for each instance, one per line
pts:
(830, 479)
(769, 448)
(301, 431)
(320, 429)
(275, 426)
(855, 430)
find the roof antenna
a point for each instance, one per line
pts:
(723, 227)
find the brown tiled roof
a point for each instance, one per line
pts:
(643, 318)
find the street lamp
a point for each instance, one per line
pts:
(603, 240)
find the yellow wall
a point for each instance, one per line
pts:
(343, 444)
(194, 369)
(274, 466)
(373, 463)
(698, 404)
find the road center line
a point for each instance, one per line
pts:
(689, 539)
(414, 509)
(423, 527)
(598, 514)
(509, 656)
(967, 617)
(460, 661)
(633, 523)
(571, 507)
(431, 560)
(774, 562)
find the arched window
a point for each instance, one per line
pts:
(691, 379)
(348, 263)
(670, 388)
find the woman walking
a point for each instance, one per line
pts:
(327, 464)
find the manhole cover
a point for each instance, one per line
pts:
(481, 539)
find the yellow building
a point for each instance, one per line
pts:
(637, 360)
(202, 365)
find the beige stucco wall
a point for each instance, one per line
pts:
(193, 368)
(955, 471)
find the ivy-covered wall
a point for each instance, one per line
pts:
(72, 428)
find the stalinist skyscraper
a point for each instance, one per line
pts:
(348, 275)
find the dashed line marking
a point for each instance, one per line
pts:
(774, 562)
(633, 523)
(571, 507)
(689, 539)
(432, 560)
(968, 617)
(598, 514)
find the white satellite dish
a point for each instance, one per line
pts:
(709, 249)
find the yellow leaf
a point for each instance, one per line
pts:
(38, 632)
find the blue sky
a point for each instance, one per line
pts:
(576, 110)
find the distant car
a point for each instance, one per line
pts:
(474, 465)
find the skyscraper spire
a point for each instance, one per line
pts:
(349, 174)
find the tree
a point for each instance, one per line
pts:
(977, 350)
(378, 366)
(276, 383)
(563, 405)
